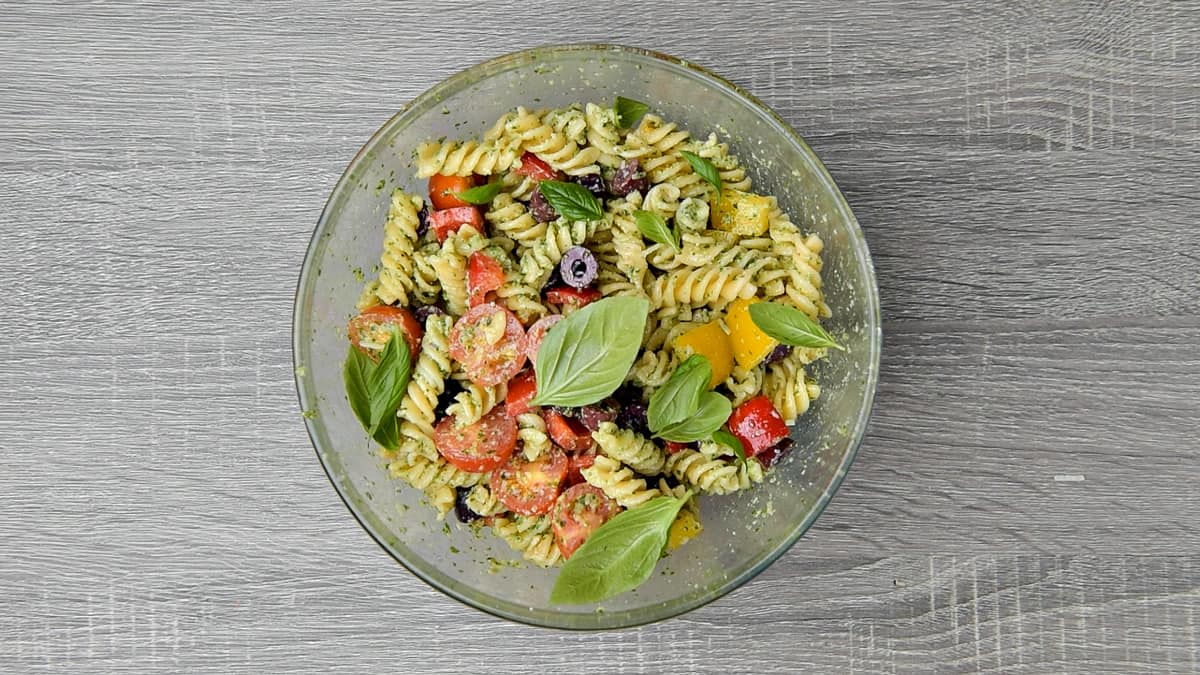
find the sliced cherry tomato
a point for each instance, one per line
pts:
(537, 333)
(449, 220)
(672, 447)
(490, 343)
(565, 295)
(577, 513)
(521, 389)
(442, 189)
(484, 274)
(530, 488)
(758, 425)
(534, 167)
(568, 433)
(478, 447)
(579, 462)
(371, 329)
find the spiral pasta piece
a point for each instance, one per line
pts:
(653, 368)
(628, 246)
(744, 384)
(603, 133)
(531, 432)
(464, 158)
(369, 296)
(630, 447)
(399, 240)
(451, 266)
(539, 259)
(662, 199)
(558, 150)
(425, 385)
(531, 536)
(475, 401)
(482, 502)
(510, 217)
(436, 477)
(618, 482)
(711, 286)
(703, 474)
(521, 298)
(789, 388)
(733, 175)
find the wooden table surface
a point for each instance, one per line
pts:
(1026, 498)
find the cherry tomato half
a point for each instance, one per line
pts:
(565, 295)
(535, 167)
(490, 343)
(484, 275)
(567, 432)
(758, 425)
(371, 329)
(442, 189)
(537, 333)
(449, 220)
(521, 389)
(478, 447)
(577, 513)
(530, 488)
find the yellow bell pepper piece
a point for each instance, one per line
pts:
(686, 526)
(750, 344)
(742, 213)
(711, 342)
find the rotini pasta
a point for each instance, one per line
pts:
(475, 401)
(531, 433)
(629, 447)
(399, 241)
(531, 536)
(418, 407)
(618, 482)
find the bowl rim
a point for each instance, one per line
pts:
(862, 254)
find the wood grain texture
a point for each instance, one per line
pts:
(1025, 500)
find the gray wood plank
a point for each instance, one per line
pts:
(1024, 501)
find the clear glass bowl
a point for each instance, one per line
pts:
(743, 533)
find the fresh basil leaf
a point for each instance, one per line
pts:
(629, 111)
(712, 414)
(790, 326)
(654, 227)
(389, 381)
(571, 201)
(679, 397)
(704, 168)
(387, 433)
(619, 556)
(585, 357)
(727, 439)
(480, 194)
(357, 373)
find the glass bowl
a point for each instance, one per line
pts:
(743, 533)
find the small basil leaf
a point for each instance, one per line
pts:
(619, 556)
(387, 433)
(389, 381)
(629, 111)
(480, 194)
(571, 201)
(725, 438)
(357, 373)
(704, 168)
(678, 398)
(712, 414)
(654, 227)
(790, 326)
(585, 357)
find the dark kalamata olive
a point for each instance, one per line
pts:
(423, 217)
(593, 415)
(629, 178)
(425, 311)
(776, 452)
(464, 512)
(554, 281)
(633, 416)
(778, 354)
(578, 267)
(453, 388)
(540, 208)
(593, 182)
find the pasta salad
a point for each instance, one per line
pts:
(588, 322)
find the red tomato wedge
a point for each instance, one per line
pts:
(577, 513)
(521, 390)
(537, 333)
(484, 275)
(449, 220)
(566, 432)
(530, 488)
(373, 327)
(758, 425)
(565, 295)
(442, 189)
(578, 462)
(534, 167)
(672, 447)
(490, 343)
(478, 447)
